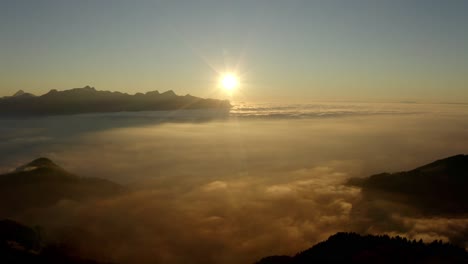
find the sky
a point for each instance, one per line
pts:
(281, 50)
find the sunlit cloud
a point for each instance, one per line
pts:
(220, 191)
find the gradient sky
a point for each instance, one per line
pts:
(284, 50)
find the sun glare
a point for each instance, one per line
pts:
(229, 81)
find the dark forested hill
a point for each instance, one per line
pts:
(89, 100)
(354, 248)
(20, 244)
(438, 188)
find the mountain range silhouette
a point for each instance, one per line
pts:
(90, 100)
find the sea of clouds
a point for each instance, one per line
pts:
(209, 188)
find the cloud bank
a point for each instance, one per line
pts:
(233, 191)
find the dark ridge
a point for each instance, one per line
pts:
(14, 231)
(21, 244)
(275, 260)
(42, 183)
(90, 100)
(153, 93)
(438, 188)
(354, 248)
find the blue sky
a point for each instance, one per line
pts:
(283, 50)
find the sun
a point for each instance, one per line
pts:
(229, 81)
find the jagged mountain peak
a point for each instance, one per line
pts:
(42, 162)
(22, 94)
(19, 93)
(52, 91)
(156, 92)
(169, 92)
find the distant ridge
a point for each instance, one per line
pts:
(90, 100)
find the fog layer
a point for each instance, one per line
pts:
(233, 190)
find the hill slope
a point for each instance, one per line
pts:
(42, 183)
(21, 244)
(436, 188)
(354, 248)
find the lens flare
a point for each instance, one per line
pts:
(229, 81)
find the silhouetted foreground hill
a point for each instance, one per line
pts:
(89, 100)
(20, 244)
(42, 183)
(438, 188)
(354, 248)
